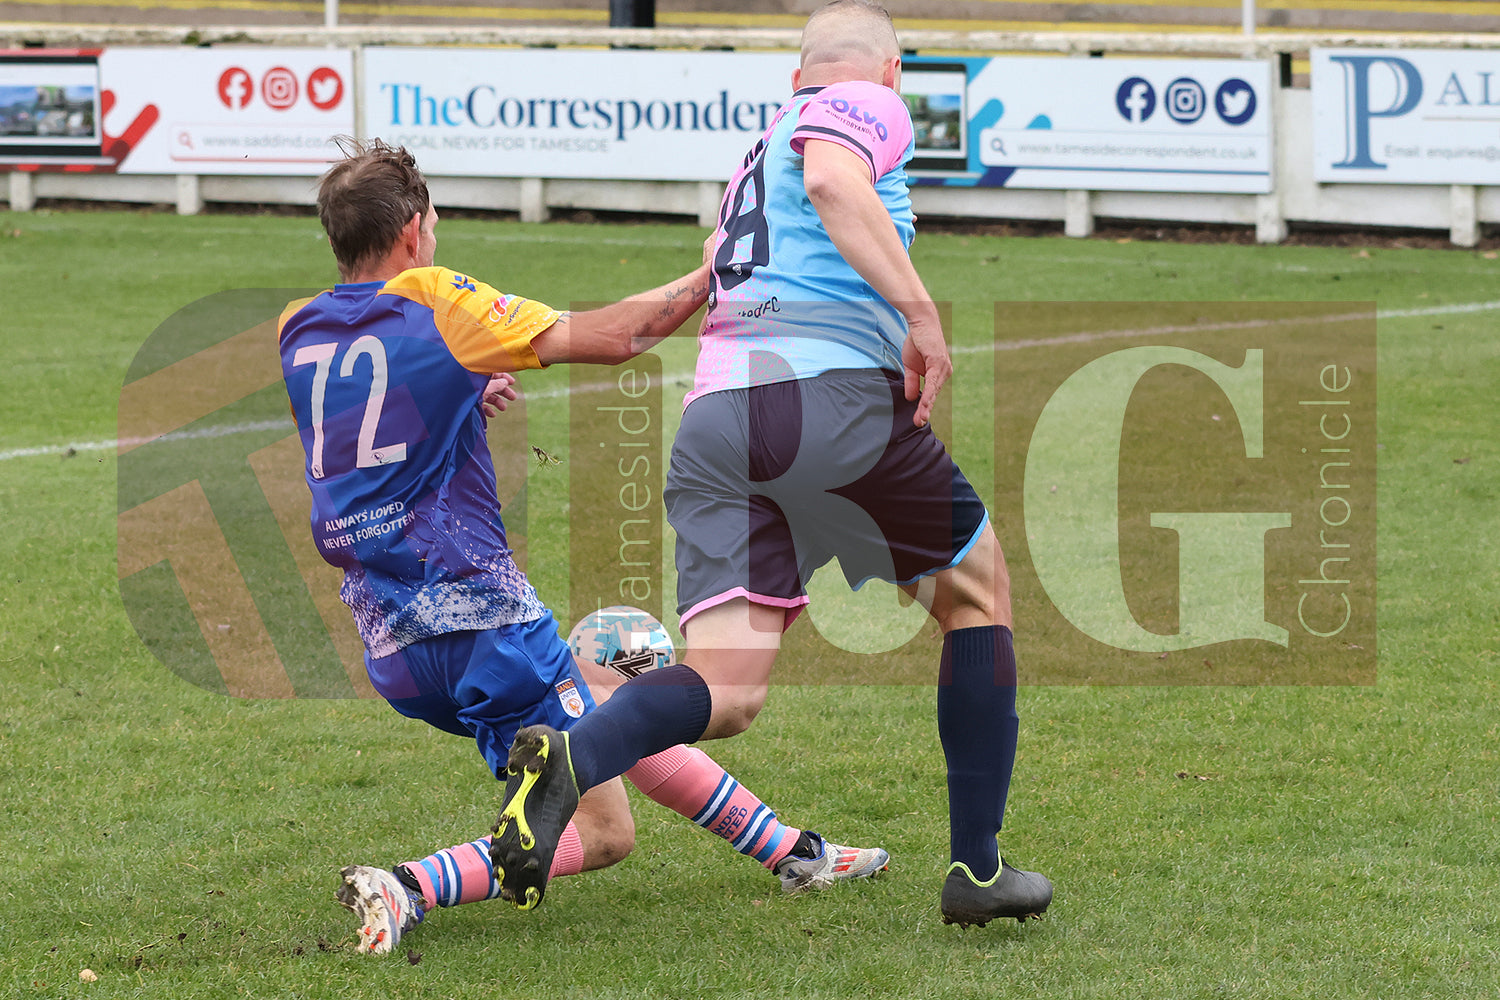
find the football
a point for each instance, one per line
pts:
(626, 640)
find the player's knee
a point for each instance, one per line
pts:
(969, 609)
(734, 709)
(976, 592)
(737, 721)
(616, 844)
(605, 825)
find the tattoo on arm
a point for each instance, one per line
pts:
(673, 294)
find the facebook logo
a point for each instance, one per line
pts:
(1136, 100)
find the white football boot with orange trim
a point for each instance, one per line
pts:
(386, 908)
(833, 863)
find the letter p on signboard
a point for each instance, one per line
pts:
(1398, 86)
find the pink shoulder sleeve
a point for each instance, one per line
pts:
(866, 118)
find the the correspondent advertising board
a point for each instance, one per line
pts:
(1092, 124)
(1401, 116)
(618, 115)
(229, 110)
(1149, 125)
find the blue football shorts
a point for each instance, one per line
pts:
(486, 684)
(768, 483)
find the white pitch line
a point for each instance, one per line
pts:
(1095, 336)
(1086, 337)
(1448, 310)
(223, 430)
(228, 430)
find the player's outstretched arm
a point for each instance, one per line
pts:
(838, 182)
(619, 332)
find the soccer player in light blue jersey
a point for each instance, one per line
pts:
(806, 437)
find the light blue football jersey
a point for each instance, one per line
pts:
(784, 303)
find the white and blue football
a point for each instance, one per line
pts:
(624, 639)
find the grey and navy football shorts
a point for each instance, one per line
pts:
(770, 482)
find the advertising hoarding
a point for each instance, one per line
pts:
(1152, 125)
(1401, 116)
(49, 107)
(1020, 122)
(1093, 124)
(544, 113)
(230, 110)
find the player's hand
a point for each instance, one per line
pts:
(928, 366)
(498, 394)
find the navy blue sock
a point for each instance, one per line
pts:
(977, 724)
(646, 715)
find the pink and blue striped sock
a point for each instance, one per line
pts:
(464, 873)
(688, 781)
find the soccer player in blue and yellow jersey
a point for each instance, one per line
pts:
(391, 376)
(806, 437)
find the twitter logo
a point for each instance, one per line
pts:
(325, 88)
(1235, 101)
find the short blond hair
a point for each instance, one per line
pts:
(859, 32)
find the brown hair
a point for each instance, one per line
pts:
(366, 198)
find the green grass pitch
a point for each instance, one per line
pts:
(1205, 841)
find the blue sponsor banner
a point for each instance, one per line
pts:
(1093, 124)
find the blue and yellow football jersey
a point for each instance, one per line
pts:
(385, 380)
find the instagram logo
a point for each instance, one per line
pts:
(1185, 100)
(279, 88)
